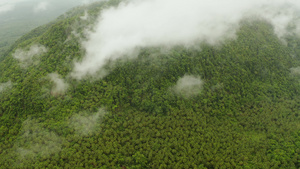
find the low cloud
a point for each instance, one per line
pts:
(41, 6)
(60, 86)
(188, 86)
(85, 16)
(84, 124)
(134, 24)
(36, 141)
(26, 56)
(295, 71)
(90, 1)
(8, 5)
(5, 86)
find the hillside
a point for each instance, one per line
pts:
(234, 105)
(24, 15)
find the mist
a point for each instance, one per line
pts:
(41, 6)
(8, 5)
(59, 84)
(35, 141)
(295, 71)
(188, 86)
(5, 86)
(124, 29)
(85, 124)
(85, 16)
(26, 57)
(17, 17)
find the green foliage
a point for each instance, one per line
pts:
(246, 115)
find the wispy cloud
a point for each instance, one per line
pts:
(6, 8)
(188, 86)
(26, 56)
(41, 6)
(4, 86)
(84, 124)
(295, 71)
(150, 23)
(90, 1)
(60, 86)
(8, 5)
(35, 141)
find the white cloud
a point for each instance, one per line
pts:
(8, 5)
(90, 1)
(295, 71)
(85, 16)
(60, 86)
(36, 141)
(6, 8)
(85, 124)
(149, 23)
(26, 56)
(4, 86)
(41, 6)
(188, 86)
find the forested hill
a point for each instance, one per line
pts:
(235, 105)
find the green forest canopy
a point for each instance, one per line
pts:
(243, 111)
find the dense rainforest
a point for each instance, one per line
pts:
(241, 109)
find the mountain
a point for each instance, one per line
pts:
(20, 16)
(232, 105)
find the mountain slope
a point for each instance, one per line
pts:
(239, 107)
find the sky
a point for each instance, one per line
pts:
(8, 5)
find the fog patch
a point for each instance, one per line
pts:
(295, 71)
(36, 142)
(188, 86)
(6, 7)
(85, 16)
(90, 1)
(85, 124)
(41, 6)
(29, 57)
(217, 87)
(81, 28)
(59, 84)
(5, 86)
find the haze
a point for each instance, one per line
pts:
(121, 31)
(18, 17)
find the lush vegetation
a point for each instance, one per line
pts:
(245, 116)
